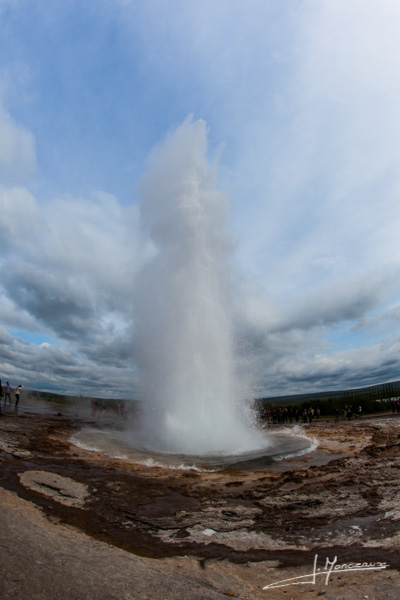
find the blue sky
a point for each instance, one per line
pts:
(301, 104)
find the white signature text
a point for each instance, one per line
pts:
(330, 566)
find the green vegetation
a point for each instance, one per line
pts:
(59, 398)
(78, 401)
(373, 399)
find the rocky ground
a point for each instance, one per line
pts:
(75, 524)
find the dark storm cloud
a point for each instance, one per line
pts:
(111, 348)
(350, 299)
(50, 367)
(66, 280)
(60, 305)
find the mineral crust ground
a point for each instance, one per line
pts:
(76, 524)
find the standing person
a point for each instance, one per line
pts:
(8, 393)
(1, 394)
(94, 407)
(17, 393)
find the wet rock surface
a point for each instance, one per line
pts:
(232, 532)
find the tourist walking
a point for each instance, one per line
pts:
(17, 393)
(8, 393)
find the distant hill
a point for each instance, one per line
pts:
(63, 399)
(377, 392)
(371, 398)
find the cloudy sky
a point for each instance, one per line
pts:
(301, 103)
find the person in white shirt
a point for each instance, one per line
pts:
(17, 393)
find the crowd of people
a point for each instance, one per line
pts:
(290, 415)
(100, 409)
(5, 394)
(395, 405)
(283, 415)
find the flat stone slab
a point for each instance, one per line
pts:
(62, 489)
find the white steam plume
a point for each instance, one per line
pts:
(194, 402)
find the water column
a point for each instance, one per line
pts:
(184, 342)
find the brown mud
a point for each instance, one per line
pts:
(241, 529)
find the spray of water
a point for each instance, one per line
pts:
(193, 400)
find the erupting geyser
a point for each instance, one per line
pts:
(193, 400)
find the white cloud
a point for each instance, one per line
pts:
(17, 151)
(305, 97)
(324, 181)
(22, 225)
(67, 272)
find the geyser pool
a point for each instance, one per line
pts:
(194, 401)
(117, 444)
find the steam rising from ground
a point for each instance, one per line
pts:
(194, 402)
